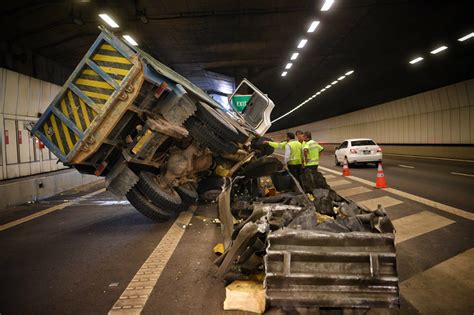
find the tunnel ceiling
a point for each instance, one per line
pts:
(254, 39)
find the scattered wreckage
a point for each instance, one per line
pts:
(316, 249)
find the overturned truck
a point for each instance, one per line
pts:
(150, 132)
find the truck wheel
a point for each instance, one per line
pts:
(167, 198)
(146, 207)
(217, 122)
(207, 138)
(187, 193)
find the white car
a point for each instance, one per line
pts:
(358, 151)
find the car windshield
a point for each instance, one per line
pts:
(362, 142)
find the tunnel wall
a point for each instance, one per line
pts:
(22, 98)
(437, 123)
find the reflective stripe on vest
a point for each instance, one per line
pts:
(313, 152)
(295, 152)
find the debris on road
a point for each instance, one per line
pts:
(245, 296)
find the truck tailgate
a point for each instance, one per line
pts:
(85, 98)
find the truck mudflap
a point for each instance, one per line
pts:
(100, 79)
(306, 268)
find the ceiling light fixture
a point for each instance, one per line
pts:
(466, 37)
(130, 40)
(302, 43)
(327, 5)
(313, 26)
(334, 82)
(288, 65)
(417, 59)
(342, 77)
(294, 56)
(108, 20)
(284, 73)
(439, 49)
(349, 72)
(328, 86)
(308, 99)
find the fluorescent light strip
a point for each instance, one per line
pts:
(439, 49)
(288, 65)
(130, 40)
(284, 73)
(328, 86)
(313, 26)
(418, 59)
(327, 5)
(307, 100)
(302, 43)
(334, 82)
(466, 37)
(108, 20)
(294, 56)
(349, 72)
(342, 77)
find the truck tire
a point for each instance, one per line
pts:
(146, 207)
(150, 187)
(202, 134)
(187, 193)
(217, 122)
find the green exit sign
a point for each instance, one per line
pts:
(240, 101)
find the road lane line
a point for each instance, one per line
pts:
(49, 210)
(135, 296)
(406, 166)
(462, 174)
(445, 288)
(329, 176)
(339, 182)
(431, 203)
(385, 201)
(418, 224)
(429, 157)
(353, 191)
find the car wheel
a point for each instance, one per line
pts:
(166, 198)
(336, 161)
(188, 193)
(146, 207)
(206, 137)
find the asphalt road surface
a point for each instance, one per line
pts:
(445, 181)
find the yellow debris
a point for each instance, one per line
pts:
(245, 296)
(322, 217)
(219, 249)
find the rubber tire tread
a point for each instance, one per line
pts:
(202, 134)
(188, 195)
(146, 207)
(216, 122)
(147, 186)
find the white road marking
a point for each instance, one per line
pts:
(385, 201)
(353, 191)
(135, 296)
(446, 288)
(430, 157)
(431, 203)
(49, 210)
(406, 166)
(418, 224)
(329, 176)
(462, 174)
(338, 183)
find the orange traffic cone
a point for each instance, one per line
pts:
(380, 182)
(345, 168)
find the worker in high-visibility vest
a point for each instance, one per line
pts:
(311, 150)
(300, 136)
(293, 156)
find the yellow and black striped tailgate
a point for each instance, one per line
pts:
(84, 97)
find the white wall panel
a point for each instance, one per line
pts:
(453, 96)
(443, 98)
(11, 93)
(470, 91)
(23, 95)
(471, 118)
(35, 97)
(2, 88)
(446, 126)
(436, 100)
(431, 127)
(428, 101)
(462, 94)
(455, 126)
(464, 125)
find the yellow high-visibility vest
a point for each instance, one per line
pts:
(295, 152)
(277, 145)
(313, 152)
